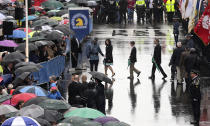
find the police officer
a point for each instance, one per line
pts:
(195, 96)
(170, 10)
(140, 10)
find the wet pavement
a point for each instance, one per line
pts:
(143, 102)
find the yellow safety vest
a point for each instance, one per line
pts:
(140, 3)
(170, 6)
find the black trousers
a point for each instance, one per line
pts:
(170, 16)
(122, 16)
(173, 71)
(94, 63)
(196, 110)
(154, 69)
(140, 13)
(74, 59)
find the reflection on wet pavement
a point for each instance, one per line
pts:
(143, 102)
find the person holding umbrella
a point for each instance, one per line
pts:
(156, 60)
(54, 94)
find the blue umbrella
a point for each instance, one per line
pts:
(18, 34)
(7, 78)
(38, 91)
(20, 121)
(30, 18)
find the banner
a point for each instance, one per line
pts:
(195, 15)
(202, 29)
(188, 9)
(80, 22)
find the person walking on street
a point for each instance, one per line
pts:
(157, 60)
(176, 61)
(195, 96)
(108, 61)
(92, 53)
(176, 30)
(132, 60)
(131, 4)
(123, 4)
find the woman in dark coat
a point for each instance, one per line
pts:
(108, 61)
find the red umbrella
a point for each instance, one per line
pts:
(65, 21)
(21, 97)
(24, 29)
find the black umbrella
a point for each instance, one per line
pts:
(52, 115)
(21, 64)
(4, 98)
(55, 35)
(21, 78)
(101, 76)
(27, 69)
(22, 47)
(42, 122)
(43, 43)
(54, 104)
(75, 120)
(45, 21)
(14, 57)
(91, 123)
(65, 29)
(61, 12)
(35, 101)
(37, 38)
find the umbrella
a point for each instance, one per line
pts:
(52, 4)
(7, 78)
(33, 111)
(42, 22)
(14, 57)
(35, 101)
(34, 33)
(57, 18)
(20, 121)
(26, 69)
(114, 123)
(91, 3)
(5, 98)
(42, 122)
(63, 124)
(37, 38)
(85, 113)
(54, 104)
(101, 76)
(65, 16)
(55, 35)
(22, 46)
(106, 119)
(6, 109)
(19, 79)
(91, 123)
(72, 5)
(62, 12)
(30, 18)
(21, 97)
(75, 120)
(38, 91)
(18, 34)
(65, 29)
(52, 12)
(2, 16)
(8, 43)
(52, 115)
(21, 64)
(43, 43)
(24, 29)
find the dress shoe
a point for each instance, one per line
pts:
(194, 122)
(164, 77)
(152, 77)
(138, 74)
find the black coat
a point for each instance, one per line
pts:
(75, 46)
(133, 55)
(73, 91)
(192, 61)
(109, 57)
(100, 98)
(90, 94)
(176, 56)
(123, 5)
(157, 54)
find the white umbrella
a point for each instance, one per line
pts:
(2, 16)
(6, 109)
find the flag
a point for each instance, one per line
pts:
(182, 9)
(188, 8)
(202, 29)
(195, 15)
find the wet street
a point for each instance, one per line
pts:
(141, 101)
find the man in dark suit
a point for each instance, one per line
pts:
(132, 60)
(75, 50)
(157, 60)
